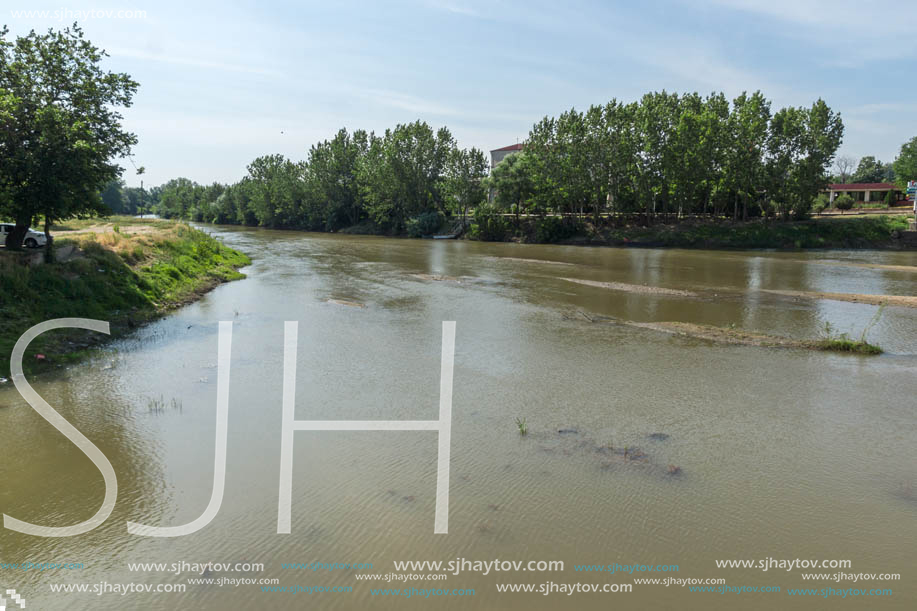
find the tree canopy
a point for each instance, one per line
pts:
(353, 178)
(669, 155)
(871, 169)
(905, 164)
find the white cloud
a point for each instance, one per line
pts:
(407, 102)
(457, 8)
(194, 62)
(833, 15)
(852, 31)
(882, 107)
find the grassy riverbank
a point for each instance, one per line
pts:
(876, 232)
(125, 274)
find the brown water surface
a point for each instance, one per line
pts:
(783, 453)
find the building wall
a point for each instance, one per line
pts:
(497, 156)
(862, 195)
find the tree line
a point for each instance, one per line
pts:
(132, 201)
(661, 158)
(408, 179)
(671, 155)
(869, 169)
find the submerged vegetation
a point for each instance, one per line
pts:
(158, 405)
(125, 274)
(606, 456)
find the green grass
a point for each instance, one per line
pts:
(869, 206)
(123, 278)
(845, 344)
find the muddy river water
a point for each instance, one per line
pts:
(732, 452)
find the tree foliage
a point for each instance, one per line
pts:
(670, 155)
(905, 164)
(871, 169)
(407, 173)
(661, 158)
(843, 202)
(60, 129)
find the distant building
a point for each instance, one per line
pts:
(864, 191)
(497, 155)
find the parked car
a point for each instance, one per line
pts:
(33, 237)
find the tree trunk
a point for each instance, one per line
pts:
(14, 238)
(649, 207)
(17, 235)
(49, 241)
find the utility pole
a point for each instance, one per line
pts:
(140, 172)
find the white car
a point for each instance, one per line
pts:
(33, 237)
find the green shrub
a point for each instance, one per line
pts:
(843, 202)
(890, 199)
(488, 225)
(425, 224)
(554, 229)
(821, 202)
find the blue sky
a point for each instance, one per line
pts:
(221, 85)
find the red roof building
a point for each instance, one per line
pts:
(864, 186)
(497, 155)
(863, 191)
(511, 147)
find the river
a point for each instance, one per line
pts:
(781, 453)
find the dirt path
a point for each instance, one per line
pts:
(108, 228)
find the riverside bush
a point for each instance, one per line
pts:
(425, 224)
